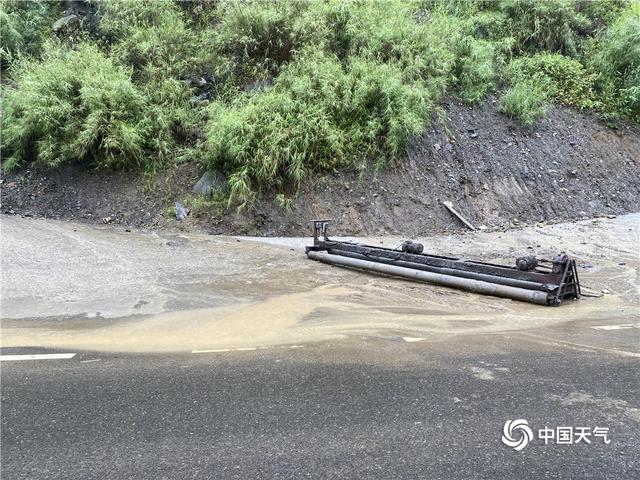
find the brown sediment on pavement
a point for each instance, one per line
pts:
(216, 293)
(323, 313)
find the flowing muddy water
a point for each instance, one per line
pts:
(74, 286)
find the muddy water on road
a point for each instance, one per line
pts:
(263, 294)
(322, 313)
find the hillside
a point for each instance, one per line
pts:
(371, 113)
(498, 173)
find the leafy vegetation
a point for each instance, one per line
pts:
(563, 79)
(153, 37)
(24, 27)
(75, 104)
(317, 115)
(200, 205)
(614, 56)
(267, 91)
(527, 101)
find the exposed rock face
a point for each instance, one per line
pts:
(65, 23)
(211, 182)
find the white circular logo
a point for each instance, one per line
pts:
(525, 436)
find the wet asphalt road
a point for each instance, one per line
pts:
(363, 408)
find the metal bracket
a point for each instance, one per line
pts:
(569, 286)
(320, 231)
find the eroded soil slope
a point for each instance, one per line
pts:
(567, 166)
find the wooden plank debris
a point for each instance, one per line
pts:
(466, 222)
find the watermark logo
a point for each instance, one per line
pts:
(516, 434)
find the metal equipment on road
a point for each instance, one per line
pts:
(544, 282)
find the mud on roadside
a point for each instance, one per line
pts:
(147, 292)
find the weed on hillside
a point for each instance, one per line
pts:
(268, 91)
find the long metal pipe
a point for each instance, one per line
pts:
(477, 286)
(512, 282)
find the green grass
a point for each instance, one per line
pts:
(200, 205)
(614, 56)
(75, 104)
(24, 27)
(563, 79)
(318, 115)
(342, 83)
(525, 101)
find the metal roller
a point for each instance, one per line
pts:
(477, 286)
(512, 282)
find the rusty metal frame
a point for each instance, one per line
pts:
(559, 280)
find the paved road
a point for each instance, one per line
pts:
(363, 408)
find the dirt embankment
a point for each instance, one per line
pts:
(567, 166)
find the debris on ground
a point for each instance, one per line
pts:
(181, 211)
(533, 280)
(467, 223)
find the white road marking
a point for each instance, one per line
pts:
(412, 339)
(215, 350)
(40, 356)
(92, 360)
(622, 326)
(221, 350)
(242, 349)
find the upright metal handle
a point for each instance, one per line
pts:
(320, 231)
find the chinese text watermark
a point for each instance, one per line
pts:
(518, 434)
